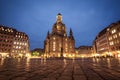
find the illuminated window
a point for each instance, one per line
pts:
(66, 39)
(115, 36)
(54, 46)
(108, 29)
(2, 28)
(58, 27)
(16, 47)
(110, 38)
(54, 43)
(113, 31)
(59, 46)
(53, 38)
(19, 47)
(12, 50)
(64, 34)
(25, 44)
(14, 42)
(17, 42)
(8, 30)
(111, 43)
(5, 29)
(66, 45)
(102, 48)
(53, 49)
(22, 43)
(11, 30)
(6, 40)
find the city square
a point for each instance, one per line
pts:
(60, 69)
(59, 40)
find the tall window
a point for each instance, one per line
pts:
(115, 36)
(53, 38)
(54, 45)
(119, 33)
(113, 31)
(111, 43)
(110, 38)
(60, 46)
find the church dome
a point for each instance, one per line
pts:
(59, 27)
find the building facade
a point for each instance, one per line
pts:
(84, 51)
(57, 43)
(13, 42)
(114, 39)
(107, 41)
(102, 43)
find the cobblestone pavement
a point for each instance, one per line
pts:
(56, 69)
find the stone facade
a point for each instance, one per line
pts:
(13, 42)
(57, 43)
(107, 42)
(84, 51)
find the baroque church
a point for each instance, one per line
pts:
(58, 43)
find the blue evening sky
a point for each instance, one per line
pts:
(35, 17)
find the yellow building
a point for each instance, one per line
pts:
(13, 42)
(107, 42)
(114, 39)
(57, 43)
(84, 51)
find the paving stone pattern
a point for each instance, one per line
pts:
(60, 69)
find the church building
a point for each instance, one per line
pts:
(58, 43)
